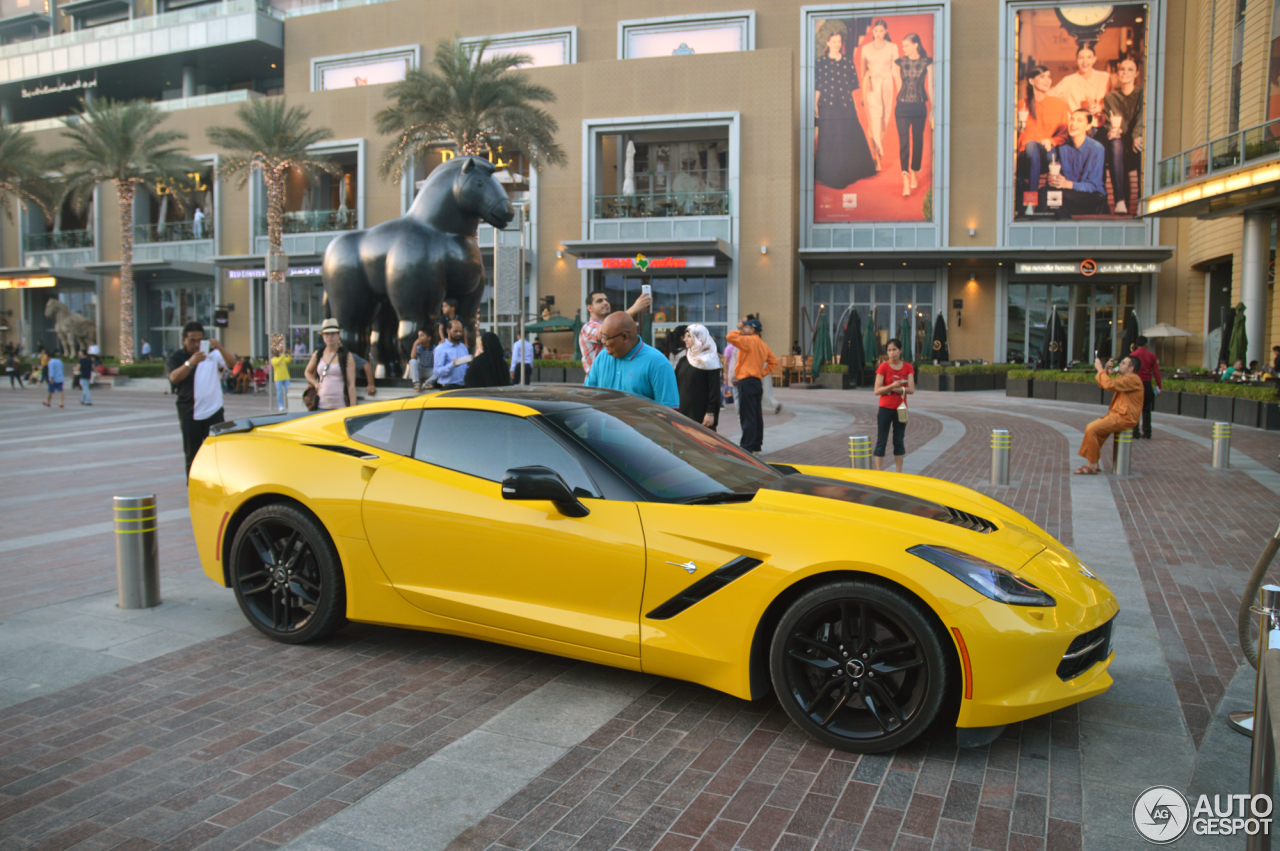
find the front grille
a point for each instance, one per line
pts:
(970, 521)
(1086, 650)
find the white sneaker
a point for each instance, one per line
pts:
(1121, 209)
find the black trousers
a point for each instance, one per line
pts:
(910, 127)
(528, 374)
(194, 432)
(1148, 405)
(886, 418)
(1077, 203)
(750, 394)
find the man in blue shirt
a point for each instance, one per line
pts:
(1080, 177)
(450, 369)
(55, 381)
(627, 364)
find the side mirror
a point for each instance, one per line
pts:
(542, 483)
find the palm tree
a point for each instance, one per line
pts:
(273, 139)
(20, 167)
(121, 142)
(469, 100)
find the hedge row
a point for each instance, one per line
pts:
(1204, 388)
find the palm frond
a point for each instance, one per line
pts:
(21, 167)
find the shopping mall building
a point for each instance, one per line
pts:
(780, 160)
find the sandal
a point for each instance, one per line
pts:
(46, 404)
(1085, 471)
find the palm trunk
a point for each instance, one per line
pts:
(277, 297)
(124, 193)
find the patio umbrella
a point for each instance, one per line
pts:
(554, 323)
(1239, 349)
(1161, 330)
(941, 351)
(1130, 340)
(870, 341)
(822, 344)
(851, 354)
(926, 353)
(1227, 324)
(629, 170)
(904, 334)
(1057, 340)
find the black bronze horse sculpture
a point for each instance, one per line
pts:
(411, 264)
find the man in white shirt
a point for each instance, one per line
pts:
(146, 350)
(197, 224)
(522, 352)
(197, 386)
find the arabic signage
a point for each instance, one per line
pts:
(294, 272)
(1086, 267)
(27, 283)
(60, 87)
(644, 264)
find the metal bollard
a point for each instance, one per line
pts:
(1221, 446)
(137, 552)
(1262, 761)
(1121, 448)
(860, 453)
(1000, 443)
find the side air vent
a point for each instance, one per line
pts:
(704, 587)
(363, 454)
(970, 521)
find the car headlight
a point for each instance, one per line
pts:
(982, 576)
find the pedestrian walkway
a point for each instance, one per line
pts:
(182, 728)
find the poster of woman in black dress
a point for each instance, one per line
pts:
(842, 155)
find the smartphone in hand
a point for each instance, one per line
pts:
(646, 289)
(204, 347)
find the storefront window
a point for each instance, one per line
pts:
(677, 300)
(171, 307)
(321, 201)
(160, 218)
(1094, 317)
(643, 177)
(887, 305)
(306, 312)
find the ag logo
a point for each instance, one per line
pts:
(1161, 815)
(937, 345)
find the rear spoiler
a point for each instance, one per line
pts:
(247, 424)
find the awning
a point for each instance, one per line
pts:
(828, 258)
(39, 271)
(592, 248)
(112, 267)
(258, 261)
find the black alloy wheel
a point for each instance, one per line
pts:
(859, 666)
(287, 575)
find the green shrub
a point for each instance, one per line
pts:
(834, 367)
(142, 370)
(559, 364)
(1207, 388)
(1022, 373)
(967, 369)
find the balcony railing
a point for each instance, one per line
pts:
(1250, 145)
(671, 204)
(314, 221)
(56, 240)
(140, 25)
(173, 231)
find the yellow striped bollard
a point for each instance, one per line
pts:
(860, 452)
(137, 552)
(1000, 445)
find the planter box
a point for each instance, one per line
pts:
(1087, 394)
(933, 382)
(1269, 416)
(1167, 402)
(1245, 412)
(999, 380)
(574, 375)
(1019, 388)
(1191, 404)
(831, 380)
(965, 383)
(1045, 389)
(1218, 408)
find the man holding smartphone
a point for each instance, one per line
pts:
(598, 310)
(452, 357)
(195, 370)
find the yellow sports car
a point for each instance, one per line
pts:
(601, 526)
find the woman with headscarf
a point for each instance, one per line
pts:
(698, 377)
(489, 368)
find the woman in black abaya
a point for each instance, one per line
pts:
(842, 155)
(489, 369)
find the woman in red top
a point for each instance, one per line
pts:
(895, 379)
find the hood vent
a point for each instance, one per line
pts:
(882, 498)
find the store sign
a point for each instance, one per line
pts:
(1086, 267)
(27, 283)
(294, 272)
(644, 264)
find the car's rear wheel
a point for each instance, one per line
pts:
(287, 576)
(859, 666)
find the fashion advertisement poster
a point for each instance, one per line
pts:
(1080, 111)
(874, 82)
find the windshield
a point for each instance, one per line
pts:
(669, 456)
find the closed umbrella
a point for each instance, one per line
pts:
(1057, 340)
(851, 354)
(941, 351)
(629, 170)
(1239, 349)
(926, 353)
(1227, 324)
(904, 334)
(1130, 340)
(577, 338)
(822, 344)
(871, 345)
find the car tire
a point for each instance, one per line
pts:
(287, 575)
(874, 693)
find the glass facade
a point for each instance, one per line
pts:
(888, 304)
(171, 307)
(677, 300)
(1092, 315)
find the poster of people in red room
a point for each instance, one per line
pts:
(1080, 116)
(873, 111)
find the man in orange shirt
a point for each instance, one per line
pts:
(755, 361)
(1124, 413)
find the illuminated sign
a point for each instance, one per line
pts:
(27, 283)
(644, 264)
(294, 272)
(1087, 268)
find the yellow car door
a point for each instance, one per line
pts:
(451, 545)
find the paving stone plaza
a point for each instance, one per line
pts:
(181, 727)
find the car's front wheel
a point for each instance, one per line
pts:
(287, 576)
(859, 666)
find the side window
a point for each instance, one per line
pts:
(391, 430)
(486, 444)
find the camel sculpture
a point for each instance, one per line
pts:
(74, 332)
(392, 278)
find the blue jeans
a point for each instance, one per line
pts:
(282, 394)
(1036, 162)
(85, 398)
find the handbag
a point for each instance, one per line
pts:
(902, 410)
(311, 398)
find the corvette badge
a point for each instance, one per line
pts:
(689, 566)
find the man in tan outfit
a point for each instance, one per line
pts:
(1124, 413)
